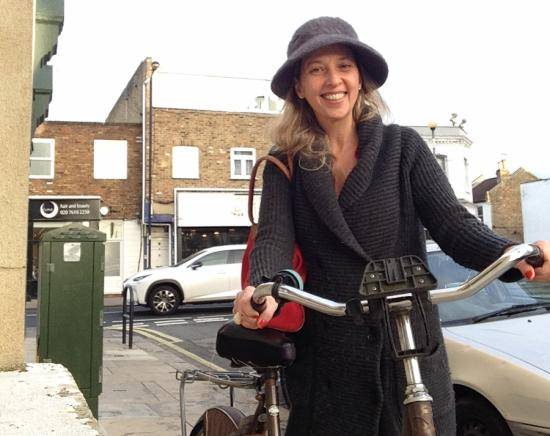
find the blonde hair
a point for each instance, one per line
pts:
(296, 130)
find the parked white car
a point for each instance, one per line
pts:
(498, 342)
(213, 274)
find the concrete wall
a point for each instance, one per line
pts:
(535, 206)
(16, 22)
(128, 108)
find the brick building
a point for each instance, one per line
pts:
(89, 173)
(184, 186)
(505, 201)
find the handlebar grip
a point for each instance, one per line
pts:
(536, 260)
(258, 307)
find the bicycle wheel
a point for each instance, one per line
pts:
(218, 421)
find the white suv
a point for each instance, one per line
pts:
(213, 274)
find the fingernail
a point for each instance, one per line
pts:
(529, 275)
(261, 323)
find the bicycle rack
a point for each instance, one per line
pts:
(128, 315)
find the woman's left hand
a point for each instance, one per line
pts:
(541, 274)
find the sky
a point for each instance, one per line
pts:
(484, 60)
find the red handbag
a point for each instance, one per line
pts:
(291, 315)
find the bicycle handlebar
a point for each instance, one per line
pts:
(508, 260)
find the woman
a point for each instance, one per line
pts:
(360, 191)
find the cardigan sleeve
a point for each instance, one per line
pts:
(459, 234)
(274, 244)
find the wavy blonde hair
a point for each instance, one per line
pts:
(296, 130)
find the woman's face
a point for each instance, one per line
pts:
(330, 81)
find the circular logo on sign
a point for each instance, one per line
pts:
(49, 209)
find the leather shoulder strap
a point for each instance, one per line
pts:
(286, 170)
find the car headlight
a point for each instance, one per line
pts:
(141, 277)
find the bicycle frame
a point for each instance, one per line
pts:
(418, 419)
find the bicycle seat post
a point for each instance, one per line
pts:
(271, 401)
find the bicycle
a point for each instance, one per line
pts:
(398, 283)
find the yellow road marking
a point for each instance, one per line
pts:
(170, 342)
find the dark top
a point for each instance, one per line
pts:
(344, 380)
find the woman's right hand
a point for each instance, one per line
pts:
(249, 317)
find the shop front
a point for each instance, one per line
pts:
(207, 218)
(49, 212)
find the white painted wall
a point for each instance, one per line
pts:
(535, 207)
(132, 250)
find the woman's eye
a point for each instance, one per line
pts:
(316, 70)
(346, 66)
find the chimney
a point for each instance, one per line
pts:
(502, 170)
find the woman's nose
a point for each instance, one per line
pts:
(333, 76)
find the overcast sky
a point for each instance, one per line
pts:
(485, 60)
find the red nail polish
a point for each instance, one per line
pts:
(261, 323)
(530, 275)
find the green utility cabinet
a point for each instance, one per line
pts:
(70, 305)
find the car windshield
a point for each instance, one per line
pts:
(191, 256)
(494, 298)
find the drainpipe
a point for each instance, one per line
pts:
(147, 231)
(143, 233)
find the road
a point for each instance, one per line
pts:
(190, 331)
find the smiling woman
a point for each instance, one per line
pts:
(361, 190)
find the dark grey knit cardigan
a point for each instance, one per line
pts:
(344, 381)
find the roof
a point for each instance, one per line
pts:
(479, 192)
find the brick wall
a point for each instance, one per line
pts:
(74, 160)
(214, 133)
(505, 200)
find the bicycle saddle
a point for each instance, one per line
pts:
(256, 348)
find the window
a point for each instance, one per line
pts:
(110, 159)
(480, 213)
(236, 256)
(113, 231)
(242, 161)
(218, 258)
(185, 162)
(442, 161)
(41, 165)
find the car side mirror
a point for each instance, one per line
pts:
(196, 265)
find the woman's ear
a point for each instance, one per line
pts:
(298, 89)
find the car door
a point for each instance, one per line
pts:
(234, 265)
(206, 279)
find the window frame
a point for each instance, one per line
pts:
(51, 142)
(243, 159)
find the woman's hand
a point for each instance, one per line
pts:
(541, 274)
(250, 318)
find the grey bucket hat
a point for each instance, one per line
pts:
(321, 32)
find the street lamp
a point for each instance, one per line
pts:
(147, 258)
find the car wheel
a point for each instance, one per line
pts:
(164, 300)
(477, 417)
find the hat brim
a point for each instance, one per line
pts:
(372, 63)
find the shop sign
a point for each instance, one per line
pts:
(214, 209)
(61, 209)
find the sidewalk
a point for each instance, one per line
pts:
(140, 391)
